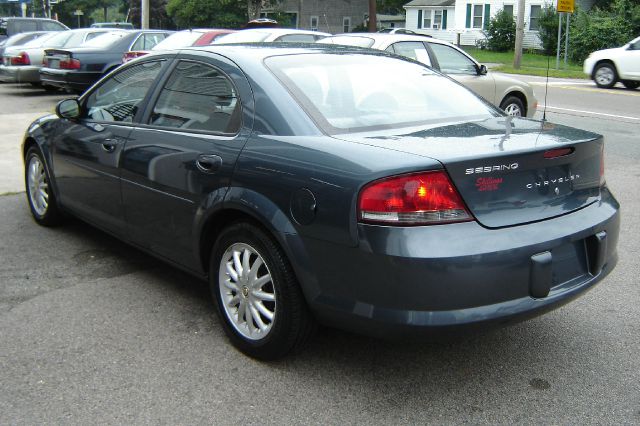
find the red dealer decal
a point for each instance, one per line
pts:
(488, 183)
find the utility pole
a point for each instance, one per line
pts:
(373, 22)
(144, 15)
(517, 57)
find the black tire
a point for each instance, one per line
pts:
(49, 215)
(605, 75)
(49, 88)
(630, 84)
(512, 105)
(292, 323)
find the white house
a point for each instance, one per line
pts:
(462, 21)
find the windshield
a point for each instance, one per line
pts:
(181, 39)
(244, 37)
(106, 39)
(349, 41)
(360, 92)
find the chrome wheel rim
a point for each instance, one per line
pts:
(604, 76)
(247, 291)
(514, 110)
(38, 186)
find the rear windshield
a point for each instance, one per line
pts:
(181, 39)
(42, 41)
(244, 37)
(106, 39)
(349, 41)
(358, 92)
(59, 39)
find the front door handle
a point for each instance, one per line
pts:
(208, 163)
(109, 145)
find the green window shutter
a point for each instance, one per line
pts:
(444, 19)
(468, 25)
(487, 15)
(419, 19)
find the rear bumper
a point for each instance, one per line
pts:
(421, 280)
(19, 74)
(69, 79)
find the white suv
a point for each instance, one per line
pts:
(606, 67)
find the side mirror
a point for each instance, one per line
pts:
(69, 109)
(482, 70)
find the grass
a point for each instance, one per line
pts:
(532, 63)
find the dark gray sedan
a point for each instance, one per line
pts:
(331, 185)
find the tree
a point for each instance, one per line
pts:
(208, 13)
(158, 15)
(548, 31)
(501, 32)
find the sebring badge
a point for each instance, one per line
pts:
(489, 169)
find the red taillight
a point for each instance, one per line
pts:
(132, 55)
(21, 59)
(416, 199)
(560, 152)
(69, 64)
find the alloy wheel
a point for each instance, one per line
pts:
(38, 186)
(247, 291)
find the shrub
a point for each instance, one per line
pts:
(596, 30)
(548, 31)
(501, 32)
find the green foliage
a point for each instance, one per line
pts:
(158, 17)
(596, 30)
(391, 7)
(501, 32)
(548, 31)
(208, 13)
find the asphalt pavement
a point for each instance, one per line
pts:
(94, 331)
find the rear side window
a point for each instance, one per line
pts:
(412, 49)
(198, 97)
(297, 38)
(19, 26)
(147, 41)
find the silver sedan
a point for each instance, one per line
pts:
(513, 96)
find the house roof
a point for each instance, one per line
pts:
(421, 3)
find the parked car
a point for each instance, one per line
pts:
(607, 67)
(513, 96)
(398, 31)
(117, 25)
(20, 39)
(265, 35)
(185, 38)
(76, 69)
(312, 184)
(21, 64)
(11, 26)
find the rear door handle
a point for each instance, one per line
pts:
(208, 163)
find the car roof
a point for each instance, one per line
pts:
(380, 38)
(282, 31)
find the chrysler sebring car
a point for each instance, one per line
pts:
(309, 184)
(513, 96)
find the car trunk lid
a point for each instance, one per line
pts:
(509, 171)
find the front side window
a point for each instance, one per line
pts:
(52, 26)
(198, 97)
(117, 99)
(534, 17)
(359, 92)
(452, 61)
(24, 26)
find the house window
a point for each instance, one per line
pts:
(426, 22)
(508, 9)
(346, 24)
(534, 17)
(314, 23)
(477, 16)
(437, 19)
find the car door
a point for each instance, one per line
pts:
(629, 62)
(180, 161)
(463, 69)
(411, 49)
(86, 153)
